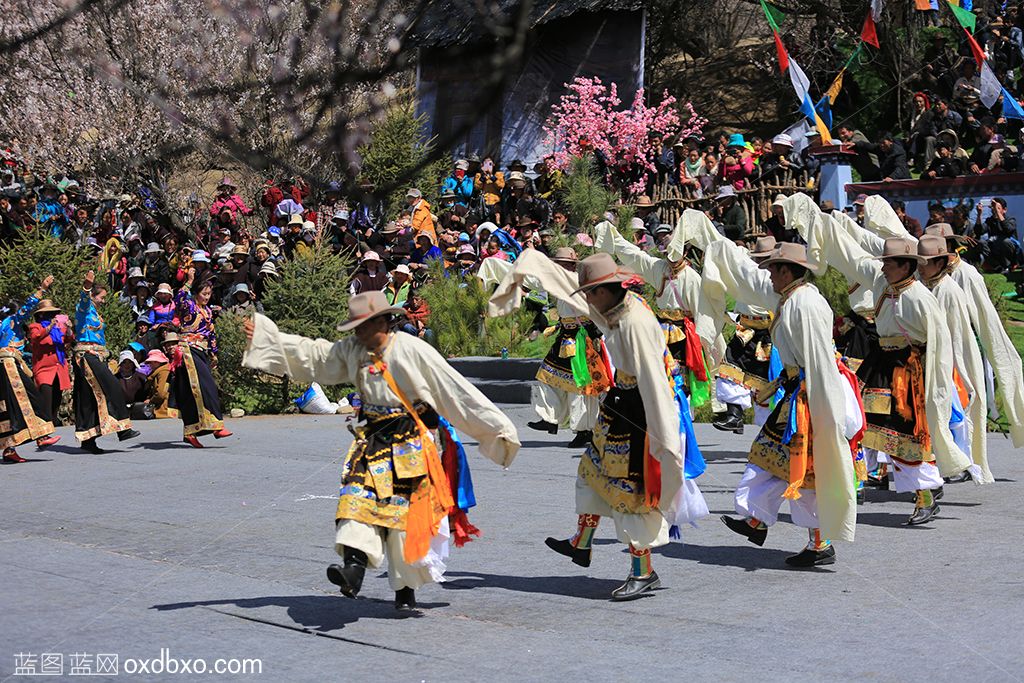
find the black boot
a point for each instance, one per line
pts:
(90, 446)
(405, 600)
(740, 526)
(959, 478)
(582, 439)
(733, 420)
(923, 513)
(580, 556)
(126, 434)
(543, 426)
(350, 577)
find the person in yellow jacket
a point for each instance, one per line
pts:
(422, 218)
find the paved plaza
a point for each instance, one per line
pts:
(157, 551)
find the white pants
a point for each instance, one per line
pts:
(565, 409)
(905, 477)
(642, 531)
(759, 495)
(378, 542)
(730, 392)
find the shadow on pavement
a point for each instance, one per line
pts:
(314, 613)
(571, 586)
(176, 446)
(897, 521)
(747, 557)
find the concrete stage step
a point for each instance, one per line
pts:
(501, 380)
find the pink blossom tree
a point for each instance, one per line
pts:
(589, 118)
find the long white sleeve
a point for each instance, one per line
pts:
(302, 359)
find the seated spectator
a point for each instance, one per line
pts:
(912, 225)
(922, 131)
(944, 117)
(418, 314)
(999, 231)
(689, 172)
(776, 223)
(156, 391)
(369, 276)
(228, 199)
(142, 329)
(466, 262)
(489, 182)
(728, 214)
(979, 162)
(459, 184)
(967, 89)
(424, 252)
(240, 301)
(944, 165)
(161, 313)
(140, 301)
(132, 381)
(492, 249)
(737, 165)
(779, 160)
(397, 289)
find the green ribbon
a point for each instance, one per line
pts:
(580, 370)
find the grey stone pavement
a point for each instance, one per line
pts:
(220, 553)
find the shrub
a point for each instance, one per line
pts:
(457, 309)
(310, 298)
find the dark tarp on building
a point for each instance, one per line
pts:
(566, 40)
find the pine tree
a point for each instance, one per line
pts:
(34, 255)
(398, 157)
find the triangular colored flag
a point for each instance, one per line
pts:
(1011, 107)
(976, 51)
(990, 86)
(868, 33)
(801, 84)
(780, 49)
(773, 14)
(837, 85)
(964, 17)
(824, 109)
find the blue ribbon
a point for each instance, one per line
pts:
(57, 335)
(464, 496)
(787, 436)
(774, 372)
(693, 461)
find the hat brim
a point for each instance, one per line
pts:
(617, 278)
(781, 259)
(353, 323)
(48, 309)
(564, 260)
(760, 254)
(913, 257)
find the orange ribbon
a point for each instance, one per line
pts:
(432, 499)
(908, 390)
(799, 446)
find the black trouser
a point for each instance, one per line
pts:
(52, 396)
